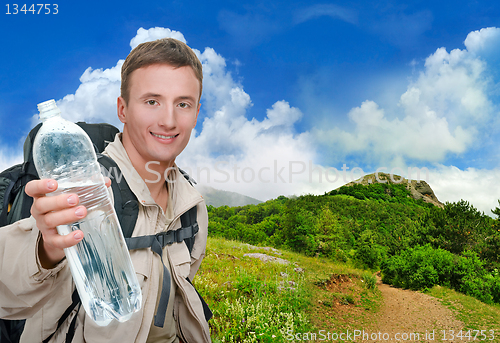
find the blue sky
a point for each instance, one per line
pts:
(292, 89)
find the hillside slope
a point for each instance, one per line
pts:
(308, 298)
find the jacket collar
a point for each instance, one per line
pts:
(182, 194)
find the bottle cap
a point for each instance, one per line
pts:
(48, 109)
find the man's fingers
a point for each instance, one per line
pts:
(38, 188)
(52, 245)
(54, 203)
(54, 240)
(62, 217)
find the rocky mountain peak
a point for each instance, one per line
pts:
(419, 189)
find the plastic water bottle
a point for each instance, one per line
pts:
(100, 264)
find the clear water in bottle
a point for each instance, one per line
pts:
(100, 264)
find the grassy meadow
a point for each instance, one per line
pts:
(334, 244)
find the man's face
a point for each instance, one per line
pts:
(162, 110)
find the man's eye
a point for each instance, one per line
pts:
(151, 102)
(183, 105)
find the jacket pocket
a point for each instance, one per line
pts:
(180, 258)
(142, 265)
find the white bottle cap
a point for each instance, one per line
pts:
(48, 109)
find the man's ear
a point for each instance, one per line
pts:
(121, 109)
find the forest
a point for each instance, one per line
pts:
(379, 226)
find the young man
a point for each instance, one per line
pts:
(159, 106)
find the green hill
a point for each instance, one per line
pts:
(376, 226)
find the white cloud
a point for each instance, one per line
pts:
(484, 42)
(234, 153)
(440, 113)
(95, 99)
(477, 186)
(155, 33)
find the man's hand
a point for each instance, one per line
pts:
(51, 211)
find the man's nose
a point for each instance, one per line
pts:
(167, 117)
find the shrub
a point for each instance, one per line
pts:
(424, 266)
(368, 253)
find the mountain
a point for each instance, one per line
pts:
(419, 189)
(216, 197)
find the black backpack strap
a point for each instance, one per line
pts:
(167, 237)
(190, 227)
(157, 243)
(5, 332)
(206, 310)
(126, 205)
(11, 330)
(187, 177)
(71, 331)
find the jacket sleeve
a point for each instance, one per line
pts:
(24, 285)
(200, 242)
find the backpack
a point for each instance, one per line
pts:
(16, 205)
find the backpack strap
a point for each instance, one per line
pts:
(11, 330)
(76, 302)
(189, 179)
(126, 205)
(206, 310)
(190, 228)
(157, 243)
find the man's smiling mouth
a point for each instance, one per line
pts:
(164, 137)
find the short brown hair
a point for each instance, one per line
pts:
(168, 51)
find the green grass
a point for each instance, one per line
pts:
(254, 301)
(475, 314)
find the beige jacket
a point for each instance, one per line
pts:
(29, 291)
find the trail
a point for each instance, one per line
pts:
(406, 313)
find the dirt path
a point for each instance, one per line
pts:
(406, 313)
